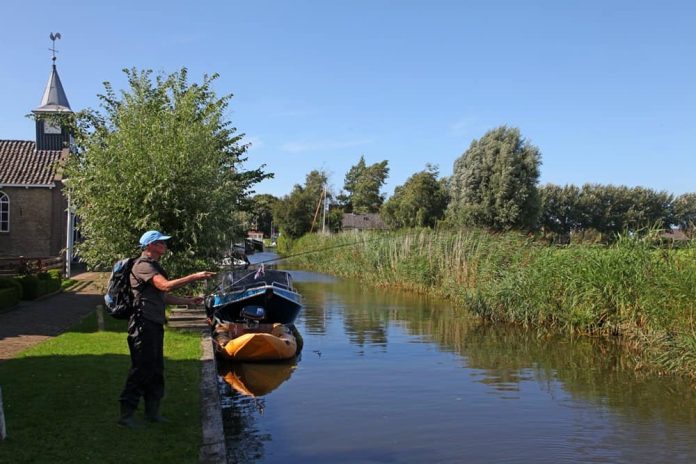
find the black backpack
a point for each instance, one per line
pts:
(119, 299)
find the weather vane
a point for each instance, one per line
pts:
(54, 37)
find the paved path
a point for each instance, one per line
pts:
(32, 322)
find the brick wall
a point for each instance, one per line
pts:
(37, 222)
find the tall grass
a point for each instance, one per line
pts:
(631, 288)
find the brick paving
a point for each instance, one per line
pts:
(32, 322)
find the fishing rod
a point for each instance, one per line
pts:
(334, 247)
(222, 285)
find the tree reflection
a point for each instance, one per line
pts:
(599, 370)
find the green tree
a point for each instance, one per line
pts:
(295, 212)
(362, 185)
(160, 155)
(420, 202)
(262, 212)
(493, 183)
(685, 211)
(648, 208)
(560, 213)
(611, 209)
(334, 218)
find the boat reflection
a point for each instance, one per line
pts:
(256, 379)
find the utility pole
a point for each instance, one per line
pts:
(326, 207)
(70, 233)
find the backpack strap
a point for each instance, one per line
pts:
(141, 282)
(140, 287)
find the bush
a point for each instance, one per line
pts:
(55, 274)
(30, 287)
(284, 244)
(8, 297)
(49, 282)
(10, 292)
(41, 284)
(10, 282)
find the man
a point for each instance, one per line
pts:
(151, 287)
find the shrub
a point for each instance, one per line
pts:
(49, 282)
(30, 287)
(9, 282)
(8, 297)
(34, 286)
(55, 274)
(10, 292)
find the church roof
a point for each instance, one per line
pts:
(21, 164)
(54, 98)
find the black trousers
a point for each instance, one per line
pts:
(146, 375)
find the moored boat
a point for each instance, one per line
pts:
(244, 341)
(267, 288)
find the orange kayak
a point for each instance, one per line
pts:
(260, 342)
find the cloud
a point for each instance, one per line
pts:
(322, 145)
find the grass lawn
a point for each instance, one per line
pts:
(67, 283)
(61, 400)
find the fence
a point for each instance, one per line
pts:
(10, 267)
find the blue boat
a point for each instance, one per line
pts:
(269, 289)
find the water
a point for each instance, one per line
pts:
(391, 377)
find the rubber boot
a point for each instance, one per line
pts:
(152, 412)
(127, 419)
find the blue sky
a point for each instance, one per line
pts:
(605, 89)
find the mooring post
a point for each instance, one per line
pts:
(3, 428)
(100, 318)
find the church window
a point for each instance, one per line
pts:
(4, 212)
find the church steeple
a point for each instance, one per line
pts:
(50, 135)
(54, 99)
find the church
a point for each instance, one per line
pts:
(34, 219)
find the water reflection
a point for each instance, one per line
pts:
(411, 379)
(242, 388)
(256, 379)
(244, 439)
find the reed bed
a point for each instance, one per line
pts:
(632, 289)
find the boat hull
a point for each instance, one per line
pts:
(281, 305)
(270, 289)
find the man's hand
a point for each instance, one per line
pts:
(203, 275)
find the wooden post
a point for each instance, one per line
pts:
(3, 428)
(100, 318)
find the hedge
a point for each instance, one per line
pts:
(40, 284)
(10, 292)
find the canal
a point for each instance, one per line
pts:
(392, 377)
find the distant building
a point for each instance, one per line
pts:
(33, 210)
(674, 235)
(368, 221)
(255, 234)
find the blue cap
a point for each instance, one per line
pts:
(152, 236)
